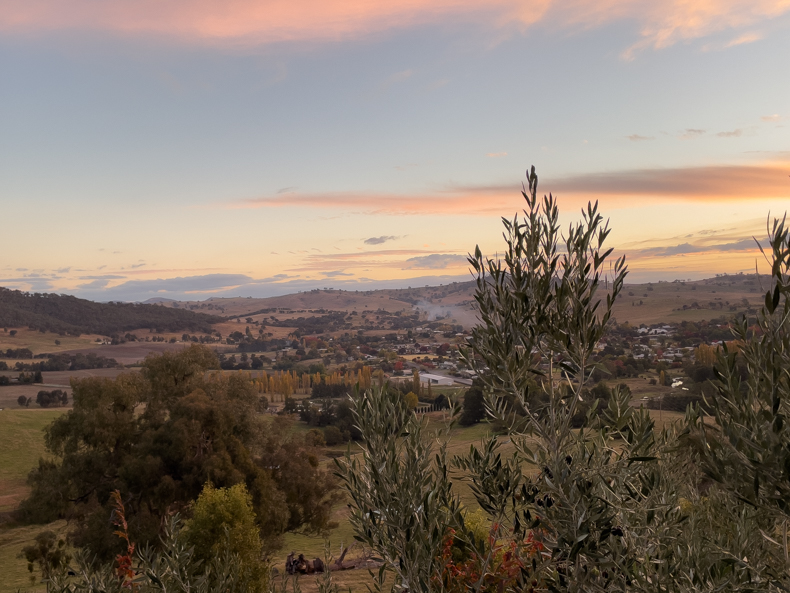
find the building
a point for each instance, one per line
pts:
(426, 378)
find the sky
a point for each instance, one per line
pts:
(196, 148)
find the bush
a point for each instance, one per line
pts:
(333, 436)
(314, 438)
(223, 521)
(411, 400)
(49, 552)
(677, 402)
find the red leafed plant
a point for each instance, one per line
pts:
(123, 562)
(509, 564)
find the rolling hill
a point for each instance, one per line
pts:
(66, 314)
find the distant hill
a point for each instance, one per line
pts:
(70, 315)
(648, 302)
(454, 299)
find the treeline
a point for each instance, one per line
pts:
(18, 353)
(22, 379)
(248, 343)
(66, 314)
(319, 384)
(46, 399)
(69, 362)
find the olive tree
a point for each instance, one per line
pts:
(746, 451)
(590, 499)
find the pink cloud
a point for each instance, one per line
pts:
(660, 24)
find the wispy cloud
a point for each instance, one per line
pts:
(731, 134)
(774, 117)
(747, 244)
(435, 261)
(496, 155)
(690, 133)
(638, 138)
(745, 38)
(380, 240)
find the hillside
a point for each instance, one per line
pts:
(647, 303)
(69, 315)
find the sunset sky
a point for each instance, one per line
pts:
(197, 148)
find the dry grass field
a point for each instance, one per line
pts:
(42, 342)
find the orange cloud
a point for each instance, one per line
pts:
(715, 183)
(620, 188)
(661, 24)
(478, 201)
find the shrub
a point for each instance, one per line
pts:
(223, 521)
(333, 436)
(314, 438)
(411, 400)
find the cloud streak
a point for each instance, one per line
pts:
(459, 202)
(747, 182)
(738, 182)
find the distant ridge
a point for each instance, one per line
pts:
(70, 315)
(157, 300)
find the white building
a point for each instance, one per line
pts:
(426, 378)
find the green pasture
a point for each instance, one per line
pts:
(22, 446)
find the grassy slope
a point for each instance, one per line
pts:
(23, 444)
